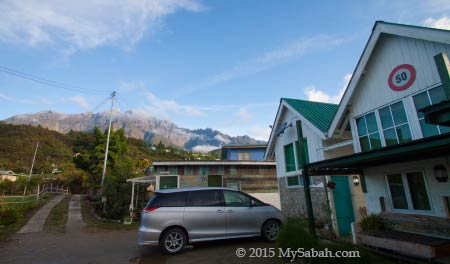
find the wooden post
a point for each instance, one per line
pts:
(37, 195)
(302, 159)
(51, 187)
(132, 197)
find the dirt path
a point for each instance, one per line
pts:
(36, 223)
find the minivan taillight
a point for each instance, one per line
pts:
(149, 209)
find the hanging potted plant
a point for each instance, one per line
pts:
(331, 184)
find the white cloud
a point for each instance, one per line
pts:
(39, 100)
(5, 97)
(243, 115)
(80, 24)
(314, 94)
(130, 86)
(259, 132)
(221, 138)
(80, 101)
(434, 5)
(442, 23)
(268, 60)
(204, 148)
(163, 108)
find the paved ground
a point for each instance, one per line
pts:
(79, 245)
(36, 223)
(75, 220)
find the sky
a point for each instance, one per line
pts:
(221, 64)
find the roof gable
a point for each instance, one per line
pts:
(319, 114)
(316, 115)
(381, 27)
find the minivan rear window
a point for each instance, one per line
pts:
(177, 199)
(206, 198)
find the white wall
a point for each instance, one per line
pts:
(373, 90)
(290, 135)
(377, 185)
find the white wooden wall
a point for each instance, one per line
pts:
(373, 90)
(290, 135)
(377, 185)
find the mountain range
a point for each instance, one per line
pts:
(136, 125)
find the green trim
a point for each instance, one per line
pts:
(443, 66)
(362, 179)
(418, 149)
(289, 158)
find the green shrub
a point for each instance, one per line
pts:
(295, 234)
(10, 216)
(372, 222)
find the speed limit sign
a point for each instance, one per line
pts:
(402, 77)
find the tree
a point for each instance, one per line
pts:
(119, 168)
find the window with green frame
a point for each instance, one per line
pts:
(368, 134)
(293, 181)
(395, 124)
(424, 99)
(289, 157)
(299, 153)
(188, 170)
(173, 170)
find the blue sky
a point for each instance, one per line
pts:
(222, 64)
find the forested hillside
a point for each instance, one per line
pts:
(57, 150)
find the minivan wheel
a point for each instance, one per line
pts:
(270, 230)
(173, 241)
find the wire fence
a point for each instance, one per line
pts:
(20, 199)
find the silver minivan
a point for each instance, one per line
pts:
(173, 218)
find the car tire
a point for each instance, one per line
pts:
(173, 241)
(270, 230)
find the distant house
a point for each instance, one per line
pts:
(256, 177)
(243, 152)
(8, 175)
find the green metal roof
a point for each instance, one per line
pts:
(319, 114)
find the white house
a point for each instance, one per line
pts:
(283, 145)
(398, 164)
(403, 161)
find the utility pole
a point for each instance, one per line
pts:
(31, 170)
(107, 143)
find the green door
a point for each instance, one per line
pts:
(343, 204)
(168, 182)
(214, 180)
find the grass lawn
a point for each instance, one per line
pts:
(6, 231)
(56, 220)
(94, 224)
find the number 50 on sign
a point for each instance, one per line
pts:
(402, 77)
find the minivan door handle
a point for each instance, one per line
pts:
(229, 211)
(220, 211)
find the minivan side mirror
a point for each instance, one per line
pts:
(252, 203)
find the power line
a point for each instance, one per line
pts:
(49, 82)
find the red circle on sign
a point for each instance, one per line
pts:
(411, 80)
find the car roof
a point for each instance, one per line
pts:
(191, 189)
